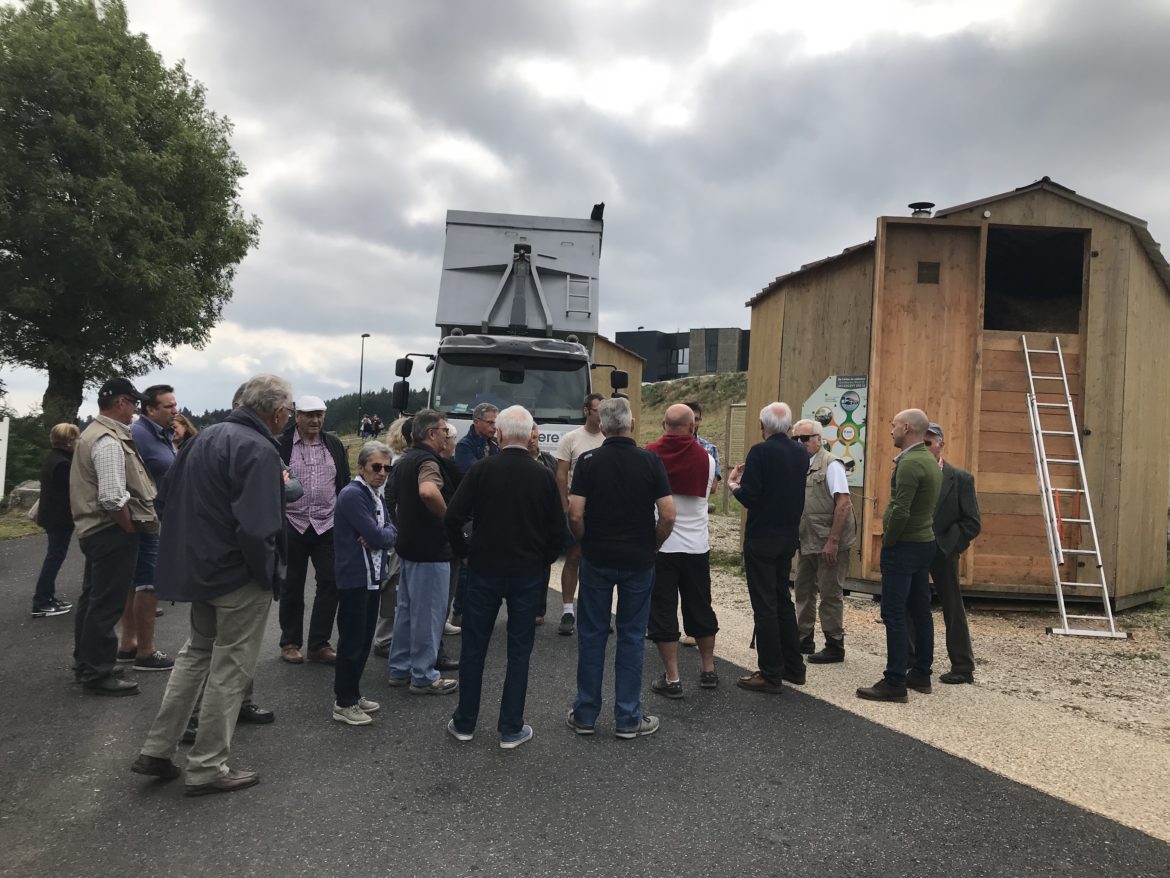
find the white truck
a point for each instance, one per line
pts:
(517, 315)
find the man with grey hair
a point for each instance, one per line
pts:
(908, 548)
(616, 491)
(223, 547)
(827, 534)
(770, 485)
(519, 532)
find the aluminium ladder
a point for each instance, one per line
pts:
(1081, 522)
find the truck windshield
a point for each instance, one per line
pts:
(551, 389)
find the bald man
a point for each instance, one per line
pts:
(908, 548)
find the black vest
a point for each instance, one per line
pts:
(421, 536)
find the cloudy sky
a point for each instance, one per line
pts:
(731, 141)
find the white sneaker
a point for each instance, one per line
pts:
(456, 734)
(352, 715)
(448, 628)
(368, 706)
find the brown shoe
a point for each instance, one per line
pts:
(757, 682)
(155, 766)
(292, 654)
(326, 655)
(883, 691)
(235, 779)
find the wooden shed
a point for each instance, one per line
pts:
(610, 353)
(932, 311)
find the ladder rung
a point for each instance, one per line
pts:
(1067, 491)
(1066, 462)
(1038, 351)
(1077, 520)
(1052, 405)
(1079, 551)
(1093, 618)
(1057, 433)
(1085, 632)
(1084, 585)
(1047, 377)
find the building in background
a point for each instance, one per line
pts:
(671, 355)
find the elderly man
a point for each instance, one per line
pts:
(827, 534)
(956, 524)
(223, 548)
(112, 498)
(571, 447)
(478, 443)
(616, 490)
(682, 567)
(519, 532)
(908, 549)
(418, 496)
(321, 464)
(770, 485)
(154, 440)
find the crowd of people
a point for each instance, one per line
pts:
(434, 533)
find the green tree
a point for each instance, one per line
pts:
(120, 226)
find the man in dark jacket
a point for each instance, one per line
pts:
(223, 547)
(319, 460)
(520, 531)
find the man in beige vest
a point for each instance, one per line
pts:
(827, 536)
(111, 494)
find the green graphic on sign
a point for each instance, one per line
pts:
(839, 406)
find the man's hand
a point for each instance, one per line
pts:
(829, 553)
(735, 477)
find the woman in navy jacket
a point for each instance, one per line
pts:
(362, 534)
(54, 516)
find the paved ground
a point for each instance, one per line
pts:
(734, 784)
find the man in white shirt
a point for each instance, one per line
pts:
(827, 535)
(682, 568)
(569, 450)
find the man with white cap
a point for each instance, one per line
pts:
(319, 460)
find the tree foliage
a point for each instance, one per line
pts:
(120, 226)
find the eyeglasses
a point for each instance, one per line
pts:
(805, 439)
(378, 467)
(928, 442)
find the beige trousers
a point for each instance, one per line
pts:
(221, 652)
(816, 578)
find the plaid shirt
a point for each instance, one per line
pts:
(313, 465)
(710, 448)
(110, 462)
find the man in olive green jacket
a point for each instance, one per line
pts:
(907, 550)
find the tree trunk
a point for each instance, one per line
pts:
(63, 396)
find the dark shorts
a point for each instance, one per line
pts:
(678, 575)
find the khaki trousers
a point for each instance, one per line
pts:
(219, 659)
(815, 577)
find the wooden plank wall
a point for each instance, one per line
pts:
(925, 352)
(763, 381)
(606, 351)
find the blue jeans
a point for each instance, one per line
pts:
(906, 591)
(55, 554)
(418, 620)
(594, 596)
(480, 608)
(147, 561)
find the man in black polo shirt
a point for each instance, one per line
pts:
(770, 485)
(616, 490)
(520, 530)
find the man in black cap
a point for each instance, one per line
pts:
(112, 495)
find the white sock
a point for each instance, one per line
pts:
(569, 609)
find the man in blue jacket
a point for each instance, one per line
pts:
(223, 547)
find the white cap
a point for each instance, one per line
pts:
(310, 404)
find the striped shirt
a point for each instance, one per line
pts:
(313, 465)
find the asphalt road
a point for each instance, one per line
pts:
(733, 784)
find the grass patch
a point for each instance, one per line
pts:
(725, 560)
(14, 523)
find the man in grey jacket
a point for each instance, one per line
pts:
(222, 541)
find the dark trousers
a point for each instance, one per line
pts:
(110, 556)
(481, 607)
(357, 614)
(768, 564)
(301, 549)
(55, 554)
(906, 592)
(944, 575)
(458, 597)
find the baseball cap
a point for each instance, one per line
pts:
(937, 431)
(309, 403)
(119, 387)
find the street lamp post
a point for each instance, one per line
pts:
(361, 374)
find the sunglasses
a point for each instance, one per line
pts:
(378, 467)
(805, 439)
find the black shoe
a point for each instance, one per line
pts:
(446, 663)
(253, 713)
(191, 731)
(568, 623)
(382, 651)
(833, 652)
(59, 599)
(157, 661)
(111, 685)
(126, 655)
(883, 691)
(664, 687)
(919, 683)
(155, 766)
(956, 677)
(40, 611)
(808, 646)
(794, 679)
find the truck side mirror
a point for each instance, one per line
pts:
(619, 380)
(402, 368)
(400, 395)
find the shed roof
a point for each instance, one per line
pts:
(1139, 226)
(622, 348)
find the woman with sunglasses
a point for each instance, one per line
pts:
(363, 533)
